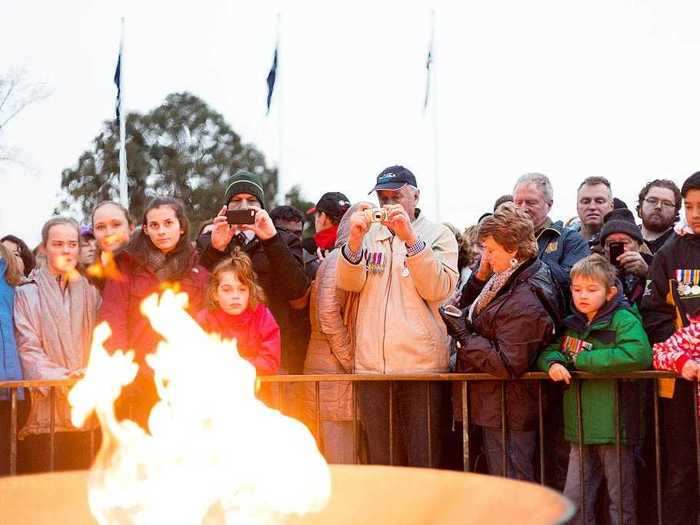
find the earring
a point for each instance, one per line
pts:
(514, 262)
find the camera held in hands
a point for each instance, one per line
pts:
(376, 215)
(616, 249)
(241, 216)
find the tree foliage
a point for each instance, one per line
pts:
(183, 148)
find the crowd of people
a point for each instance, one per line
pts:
(382, 289)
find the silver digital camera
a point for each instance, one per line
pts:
(376, 214)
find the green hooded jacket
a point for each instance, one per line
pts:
(614, 342)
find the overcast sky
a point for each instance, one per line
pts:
(570, 89)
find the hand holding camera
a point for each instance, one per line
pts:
(398, 221)
(376, 215)
(458, 326)
(359, 226)
(246, 216)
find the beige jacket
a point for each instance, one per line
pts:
(330, 347)
(399, 329)
(52, 343)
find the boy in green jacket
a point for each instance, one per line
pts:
(603, 336)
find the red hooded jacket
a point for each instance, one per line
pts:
(256, 332)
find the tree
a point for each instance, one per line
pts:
(16, 94)
(182, 148)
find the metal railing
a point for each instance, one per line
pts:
(464, 380)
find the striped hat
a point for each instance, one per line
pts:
(246, 182)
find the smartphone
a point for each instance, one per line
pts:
(616, 249)
(241, 216)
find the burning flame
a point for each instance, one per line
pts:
(106, 268)
(215, 454)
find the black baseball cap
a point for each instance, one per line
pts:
(393, 178)
(334, 204)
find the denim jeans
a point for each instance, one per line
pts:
(601, 462)
(410, 428)
(520, 453)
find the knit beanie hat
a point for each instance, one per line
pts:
(246, 182)
(620, 220)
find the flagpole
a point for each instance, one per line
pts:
(434, 109)
(123, 186)
(280, 114)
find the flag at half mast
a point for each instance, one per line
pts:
(271, 77)
(117, 81)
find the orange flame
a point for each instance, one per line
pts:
(215, 454)
(105, 269)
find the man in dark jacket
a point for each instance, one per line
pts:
(620, 231)
(291, 220)
(558, 246)
(594, 200)
(658, 206)
(276, 257)
(674, 296)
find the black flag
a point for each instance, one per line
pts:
(428, 63)
(271, 76)
(117, 81)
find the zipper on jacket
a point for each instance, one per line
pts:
(386, 299)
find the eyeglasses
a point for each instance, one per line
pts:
(653, 201)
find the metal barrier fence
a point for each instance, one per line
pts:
(463, 379)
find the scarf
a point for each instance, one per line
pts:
(325, 239)
(167, 267)
(490, 289)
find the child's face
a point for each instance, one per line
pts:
(231, 294)
(692, 210)
(590, 295)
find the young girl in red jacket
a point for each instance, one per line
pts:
(236, 310)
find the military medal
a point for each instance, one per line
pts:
(688, 282)
(572, 346)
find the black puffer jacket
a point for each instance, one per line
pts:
(508, 336)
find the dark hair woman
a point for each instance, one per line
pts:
(24, 256)
(158, 254)
(511, 309)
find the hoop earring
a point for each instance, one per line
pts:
(514, 263)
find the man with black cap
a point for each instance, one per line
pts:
(276, 257)
(403, 267)
(622, 240)
(327, 213)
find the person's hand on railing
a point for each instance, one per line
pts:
(558, 372)
(691, 371)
